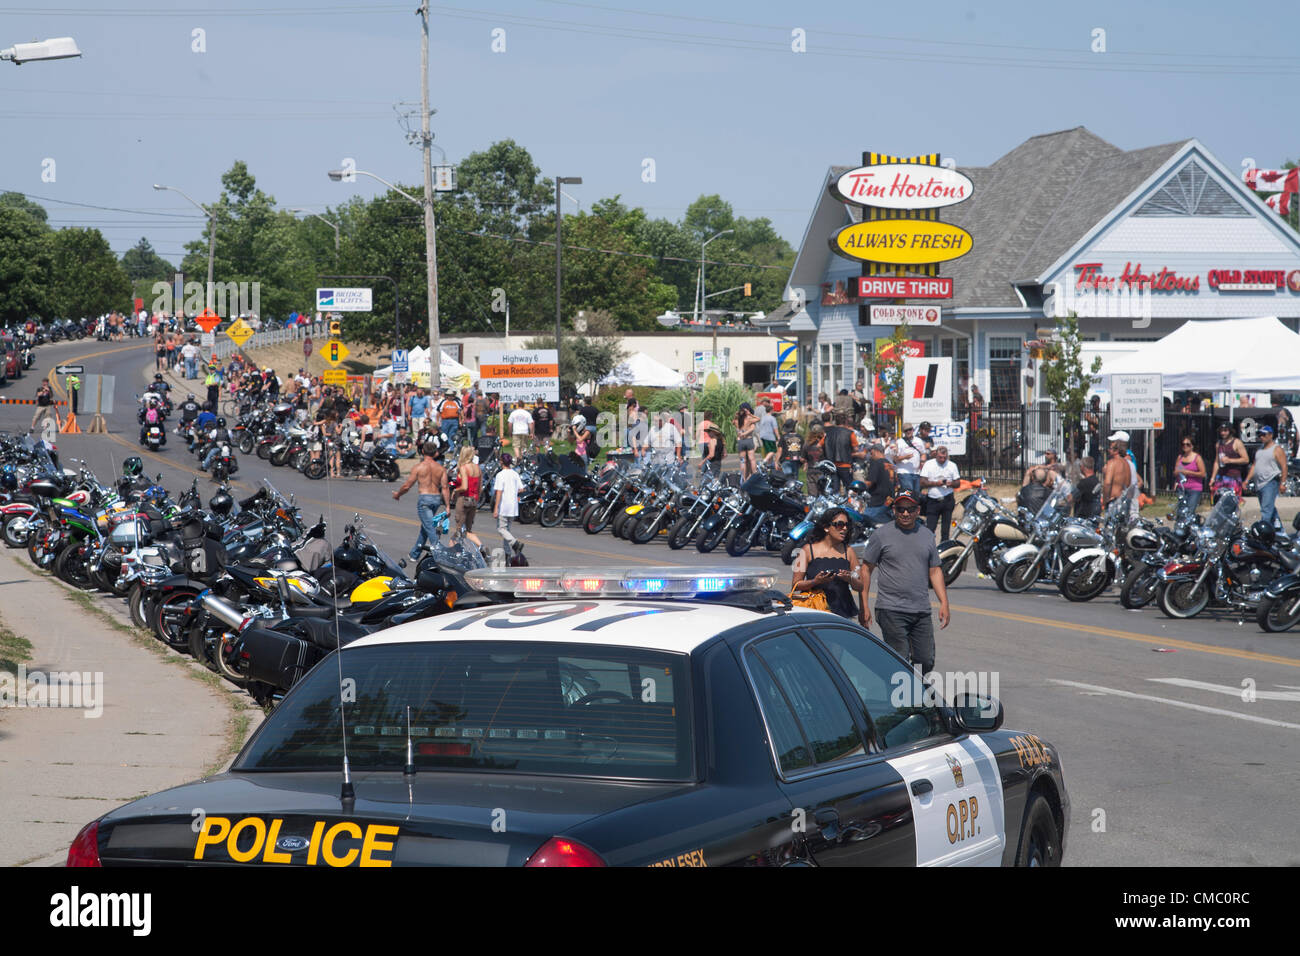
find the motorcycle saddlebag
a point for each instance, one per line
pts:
(278, 659)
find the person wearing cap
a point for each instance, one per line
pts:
(1269, 473)
(907, 453)
(904, 559)
(505, 501)
(432, 478)
(1120, 471)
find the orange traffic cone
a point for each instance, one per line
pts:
(70, 426)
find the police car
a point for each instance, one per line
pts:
(651, 717)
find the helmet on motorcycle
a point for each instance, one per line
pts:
(349, 559)
(1261, 535)
(221, 503)
(221, 423)
(8, 479)
(190, 397)
(133, 466)
(858, 487)
(158, 377)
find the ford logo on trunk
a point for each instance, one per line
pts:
(292, 844)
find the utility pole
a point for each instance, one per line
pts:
(560, 180)
(212, 248)
(430, 230)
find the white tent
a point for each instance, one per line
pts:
(1255, 354)
(641, 369)
(453, 373)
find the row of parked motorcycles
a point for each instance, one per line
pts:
(275, 433)
(644, 501)
(249, 588)
(1191, 564)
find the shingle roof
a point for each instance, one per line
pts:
(1031, 205)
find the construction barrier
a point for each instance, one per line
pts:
(70, 426)
(24, 401)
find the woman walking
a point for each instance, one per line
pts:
(464, 495)
(1190, 470)
(746, 423)
(827, 568)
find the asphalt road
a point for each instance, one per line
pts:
(1180, 740)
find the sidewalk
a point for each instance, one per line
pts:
(59, 767)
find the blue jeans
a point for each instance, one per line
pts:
(881, 514)
(1267, 497)
(450, 426)
(1193, 499)
(211, 456)
(191, 368)
(911, 482)
(426, 507)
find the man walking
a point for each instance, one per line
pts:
(1269, 472)
(907, 454)
(505, 501)
(432, 479)
(45, 406)
(521, 429)
(908, 563)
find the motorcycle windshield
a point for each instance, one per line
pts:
(458, 555)
(1223, 516)
(1057, 503)
(1122, 506)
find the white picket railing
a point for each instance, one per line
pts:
(226, 347)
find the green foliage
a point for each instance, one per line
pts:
(589, 357)
(1063, 373)
(142, 262)
(720, 401)
(610, 397)
(891, 368)
(87, 279)
(26, 256)
(13, 200)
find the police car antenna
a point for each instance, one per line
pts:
(409, 769)
(347, 795)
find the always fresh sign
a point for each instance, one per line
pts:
(902, 241)
(903, 186)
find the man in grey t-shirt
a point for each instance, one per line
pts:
(909, 566)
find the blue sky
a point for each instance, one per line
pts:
(712, 92)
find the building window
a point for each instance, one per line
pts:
(1191, 192)
(1004, 370)
(959, 351)
(832, 365)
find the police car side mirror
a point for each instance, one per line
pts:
(975, 714)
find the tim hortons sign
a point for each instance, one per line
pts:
(903, 186)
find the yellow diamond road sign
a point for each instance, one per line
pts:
(239, 331)
(335, 352)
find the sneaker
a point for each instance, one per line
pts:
(415, 554)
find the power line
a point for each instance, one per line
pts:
(86, 205)
(352, 9)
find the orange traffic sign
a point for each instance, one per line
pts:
(334, 376)
(207, 320)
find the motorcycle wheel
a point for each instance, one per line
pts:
(644, 531)
(390, 471)
(552, 514)
(739, 541)
(1139, 588)
(136, 605)
(166, 618)
(679, 533)
(15, 531)
(71, 567)
(247, 444)
(99, 581)
(1082, 583)
(620, 520)
(280, 458)
(595, 518)
(951, 563)
(710, 538)
(299, 459)
(264, 451)
(527, 511)
(315, 469)
(1019, 577)
(36, 551)
(1182, 599)
(196, 646)
(788, 548)
(222, 665)
(1276, 615)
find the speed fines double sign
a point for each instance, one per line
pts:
(1137, 401)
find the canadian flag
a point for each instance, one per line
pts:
(1280, 203)
(1273, 180)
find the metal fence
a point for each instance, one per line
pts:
(226, 347)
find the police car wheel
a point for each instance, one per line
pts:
(1040, 842)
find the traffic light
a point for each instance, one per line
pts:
(334, 351)
(749, 286)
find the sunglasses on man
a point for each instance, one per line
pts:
(906, 509)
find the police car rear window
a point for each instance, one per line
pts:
(547, 708)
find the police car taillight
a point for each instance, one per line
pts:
(85, 848)
(618, 582)
(558, 851)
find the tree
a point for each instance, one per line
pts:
(587, 357)
(887, 365)
(86, 278)
(141, 262)
(1065, 379)
(13, 200)
(26, 253)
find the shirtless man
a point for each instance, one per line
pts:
(1116, 475)
(432, 478)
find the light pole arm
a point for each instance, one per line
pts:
(200, 207)
(403, 192)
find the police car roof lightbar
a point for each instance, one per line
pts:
(619, 582)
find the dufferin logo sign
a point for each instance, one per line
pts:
(927, 391)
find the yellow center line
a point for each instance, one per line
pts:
(1133, 636)
(54, 379)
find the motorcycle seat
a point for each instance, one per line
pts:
(322, 633)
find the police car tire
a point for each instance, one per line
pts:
(1040, 841)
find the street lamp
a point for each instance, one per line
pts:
(703, 297)
(559, 214)
(59, 48)
(328, 223)
(212, 241)
(430, 255)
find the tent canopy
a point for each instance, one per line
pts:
(641, 369)
(1255, 354)
(453, 373)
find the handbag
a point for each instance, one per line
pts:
(813, 600)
